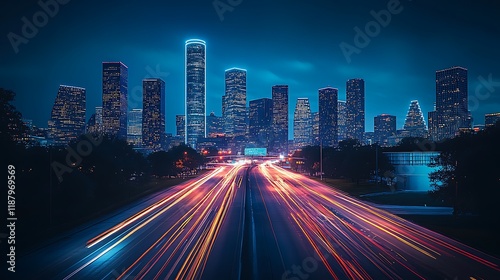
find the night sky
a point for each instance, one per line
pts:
(278, 42)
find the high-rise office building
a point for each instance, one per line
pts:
(315, 128)
(414, 123)
(195, 91)
(94, 125)
(260, 122)
(355, 103)
(328, 129)
(153, 113)
(67, 119)
(215, 126)
(302, 123)
(235, 100)
(384, 127)
(342, 120)
(451, 114)
(491, 119)
(180, 123)
(134, 127)
(114, 98)
(280, 119)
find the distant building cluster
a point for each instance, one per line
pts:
(260, 123)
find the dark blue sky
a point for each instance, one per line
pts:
(278, 42)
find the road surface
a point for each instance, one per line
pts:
(254, 222)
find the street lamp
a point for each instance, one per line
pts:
(321, 160)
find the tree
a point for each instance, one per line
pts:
(468, 173)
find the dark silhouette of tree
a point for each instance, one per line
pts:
(162, 164)
(469, 174)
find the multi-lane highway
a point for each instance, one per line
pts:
(254, 222)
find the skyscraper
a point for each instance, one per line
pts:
(260, 122)
(153, 113)
(302, 123)
(180, 123)
(491, 119)
(114, 98)
(328, 128)
(384, 127)
(94, 125)
(215, 126)
(355, 103)
(235, 102)
(452, 112)
(342, 120)
(195, 91)
(315, 128)
(414, 122)
(134, 127)
(280, 119)
(67, 120)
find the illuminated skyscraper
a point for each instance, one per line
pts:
(180, 123)
(114, 98)
(134, 128)
(153, 113)
(302, 123)
(355, 103)
(280, 119)
(328, 128)
(195, 91)
(491, 119)
(67, 120)
(215, 126)
(94, 125)
(235, 101)
(342, 120)
(452, 113)
(315, 128)
(414, 122)
(260, 122)
(385, 127)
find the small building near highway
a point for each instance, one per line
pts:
(412, 169)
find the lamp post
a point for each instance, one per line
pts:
(321, 159)
(376, 164)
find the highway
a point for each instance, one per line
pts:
(254, 222)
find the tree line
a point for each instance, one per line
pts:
(57, 185)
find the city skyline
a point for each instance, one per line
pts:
(389, 67)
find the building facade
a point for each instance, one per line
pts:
(415, 123)
(114, 99)
(328, 129)
(302, 123)
(491, 119)
(67, 119)
(452, 113)
(355, 103)
(134, 128)
(195, 91)
(384, 128)
(235, 100)
(280, 119)
(153, 114)
(215, 126)
(342, 120)
(180, 123)
(260, 122)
